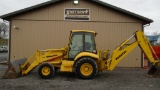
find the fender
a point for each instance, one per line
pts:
(86, 54)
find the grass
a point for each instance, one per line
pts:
(3, 42)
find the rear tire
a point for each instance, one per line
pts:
(46, 71)
(86, 68)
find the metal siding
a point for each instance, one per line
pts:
(35, 35)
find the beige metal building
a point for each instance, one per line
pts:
(48, 25)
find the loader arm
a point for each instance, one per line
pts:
(124, 49)
(42, 56)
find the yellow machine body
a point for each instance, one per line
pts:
(82, 57)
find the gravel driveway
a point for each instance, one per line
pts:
(118, 79)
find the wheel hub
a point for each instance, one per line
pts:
(45, 70)
(86, 69)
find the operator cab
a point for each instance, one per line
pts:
(81, 41)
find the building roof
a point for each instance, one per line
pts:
(144, 19)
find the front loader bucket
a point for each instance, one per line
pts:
(14, 70)
(154, 71)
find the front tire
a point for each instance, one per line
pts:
(46, 70)
(86, 68)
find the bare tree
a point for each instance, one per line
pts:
(3, 30)
(156, 33)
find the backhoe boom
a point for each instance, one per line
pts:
(122, 50)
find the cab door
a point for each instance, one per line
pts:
(76, 44)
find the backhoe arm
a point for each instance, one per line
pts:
(122, 50)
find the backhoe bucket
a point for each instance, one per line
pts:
(14, 70)
(154, 71)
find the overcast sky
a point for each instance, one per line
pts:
(146, 8)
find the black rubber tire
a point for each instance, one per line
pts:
(52, 71)
(80, 62)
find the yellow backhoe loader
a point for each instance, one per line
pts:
(82, 57)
